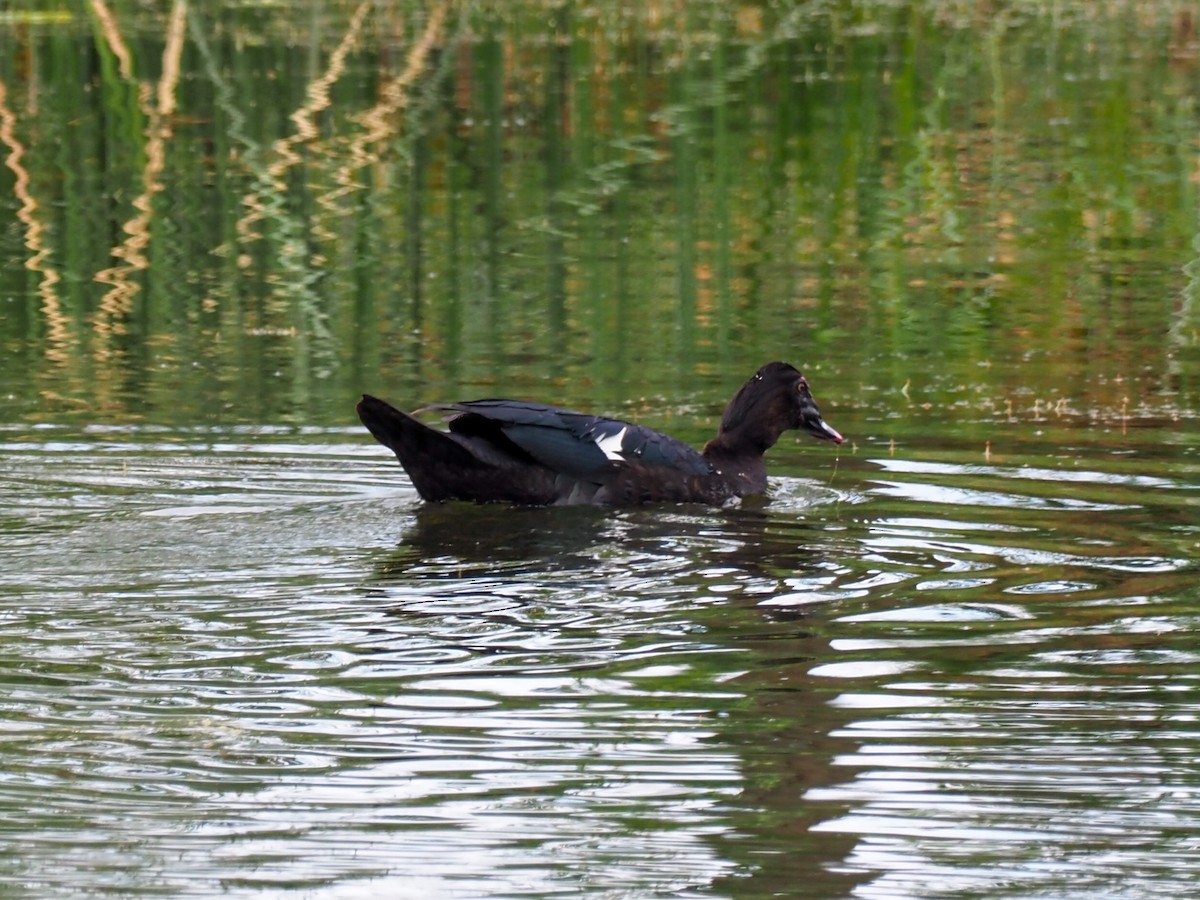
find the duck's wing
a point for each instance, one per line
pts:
(573, 443)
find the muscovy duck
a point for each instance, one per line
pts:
(508, 451)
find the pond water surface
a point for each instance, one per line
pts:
(956, 656)
(252, 659)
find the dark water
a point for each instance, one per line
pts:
(955, 657)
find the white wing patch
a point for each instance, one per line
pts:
(610, 445)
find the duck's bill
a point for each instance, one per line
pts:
(821, 430)
(817, 427)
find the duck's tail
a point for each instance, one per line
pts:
(424, 452)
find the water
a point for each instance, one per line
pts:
(251, 660)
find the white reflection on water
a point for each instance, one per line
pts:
(920, 492)
(1032, 734)
(972, 795)
(1027, 473)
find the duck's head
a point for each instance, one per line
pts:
(775, 400)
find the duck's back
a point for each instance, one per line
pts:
(574, 444)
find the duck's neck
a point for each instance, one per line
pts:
(744, 440)
(739, 461)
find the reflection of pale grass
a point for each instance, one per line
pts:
(266, 201)
(117, 302)
(317, 99)
(380, 121)
(58, 336)
(113, 37)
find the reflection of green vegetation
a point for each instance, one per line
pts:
(623, 199)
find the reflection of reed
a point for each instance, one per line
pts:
(296, 277)
(379, 121)
(116, 304)
(317, 99)
(58, 335)
(298, 268)
(112, 36)
(318, 91)
(225, 101)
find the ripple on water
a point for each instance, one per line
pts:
(208, 683)
(1038, 719)
(272, 667)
